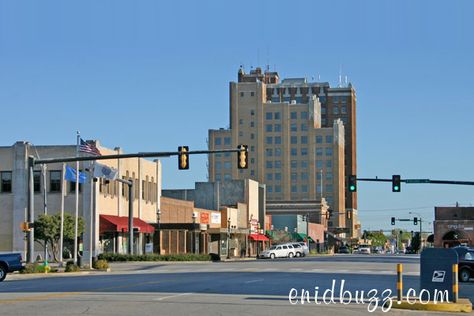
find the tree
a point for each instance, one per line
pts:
(415, 242)
(47, 231)
(378, 239)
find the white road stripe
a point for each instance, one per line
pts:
(171, 296)
(253, 281)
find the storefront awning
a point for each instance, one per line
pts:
(258, 237)
(301, 237)
(112, 224)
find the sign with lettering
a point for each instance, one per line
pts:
(204, 218)
(216, 218)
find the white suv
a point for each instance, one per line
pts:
(279, 251)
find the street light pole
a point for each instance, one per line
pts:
(158, 215)
(228, 237)
(193, 248)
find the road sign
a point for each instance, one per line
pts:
(417, 181)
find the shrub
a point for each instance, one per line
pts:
(71, 267)
(115, 257)
(101, 265)
(33, 268)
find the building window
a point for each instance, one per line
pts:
(241, 94)
(319, 164)
(277, 152)
(252, 112)
(241, 121)
(227, 165)
(304, 164)
(252, 135)
(304, 151)
(294, 140)
(55, 181)
(304, 115)
(328, 175)
(293, 127)
(323, 121)
(252, 93)
(294, 164)
(304, 127)
(323, 110)
(269, 140)
(294, 152)
(304, 139)
(329, 151)
(277, 164)
(252, 172)
(227, 176)
(329, 139)
(328, 163)
(226, 154)
(294, 189)
(344, 99)
(269, 164)
(304, 176)
(322, 99)
(269, 189)
(269, 152)
(218, 165)
(217, 141)
(304, 188)
(335, 99)
(252, 160)
(269, 176)
(294, 176)
(319, 139)
(269, 128)
(343, 109)
(329, 188)
(227, 141)
(241, 133)
(293, 115)
(277, 128)
(37, 181)
(252, 124)
(278, 176)
(277, 140)
(6, 181)
(277, 189)
(218, 177)
(277, 115)
(269, 115)
(335, 110)
(252, 148)
(319, 151)
(72, 186)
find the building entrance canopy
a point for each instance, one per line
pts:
(258, 237)
(112, 224)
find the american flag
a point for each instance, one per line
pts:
(89, 148)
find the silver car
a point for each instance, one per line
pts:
(279, 251)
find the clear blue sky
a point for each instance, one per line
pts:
(161, 68)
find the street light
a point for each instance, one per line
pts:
(158, 217)
(420, 220)
(193, 235)
(228, 237)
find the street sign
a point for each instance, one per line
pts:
(436, 265)
(417, 181)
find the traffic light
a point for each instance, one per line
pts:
(415, 220)
(396, 183)
(242, 157)
(183, 157)
(352, 183)
(393, 220)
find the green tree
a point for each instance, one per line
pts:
(377, 238)
(47, 231)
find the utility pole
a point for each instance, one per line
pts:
(31, 210)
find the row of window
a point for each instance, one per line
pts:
(303, 189)
(242, 94)
(269, 140)
(294, 176)
(293, 115)
(218, 141)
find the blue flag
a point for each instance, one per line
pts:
(70, 175)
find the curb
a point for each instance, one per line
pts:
(463, 305)
(19, 276)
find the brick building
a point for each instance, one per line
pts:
(454, 226)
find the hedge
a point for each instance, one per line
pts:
(114, 257)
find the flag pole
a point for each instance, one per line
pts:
(45, 205)
(92, 214)
(77, 198)
(61, 229)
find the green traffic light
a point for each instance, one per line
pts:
(396, 188)
(352, 188)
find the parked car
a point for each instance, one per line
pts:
(299, 250)
(344, 249)
(466, 263)
(305, 248)
(364, 250)
(279, 251)
(9, 262)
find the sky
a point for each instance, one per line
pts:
(154, 75)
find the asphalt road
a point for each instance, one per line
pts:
(227, 288)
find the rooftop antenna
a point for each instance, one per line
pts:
(319, 77)
(345, 81)
(340, 76)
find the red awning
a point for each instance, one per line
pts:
(258, 237)
(111, 223)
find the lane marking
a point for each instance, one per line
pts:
(171, 296)
(253, 281)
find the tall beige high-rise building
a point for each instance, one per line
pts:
(293, 148)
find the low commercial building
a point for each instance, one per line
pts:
(453, 226)
(102, 204)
